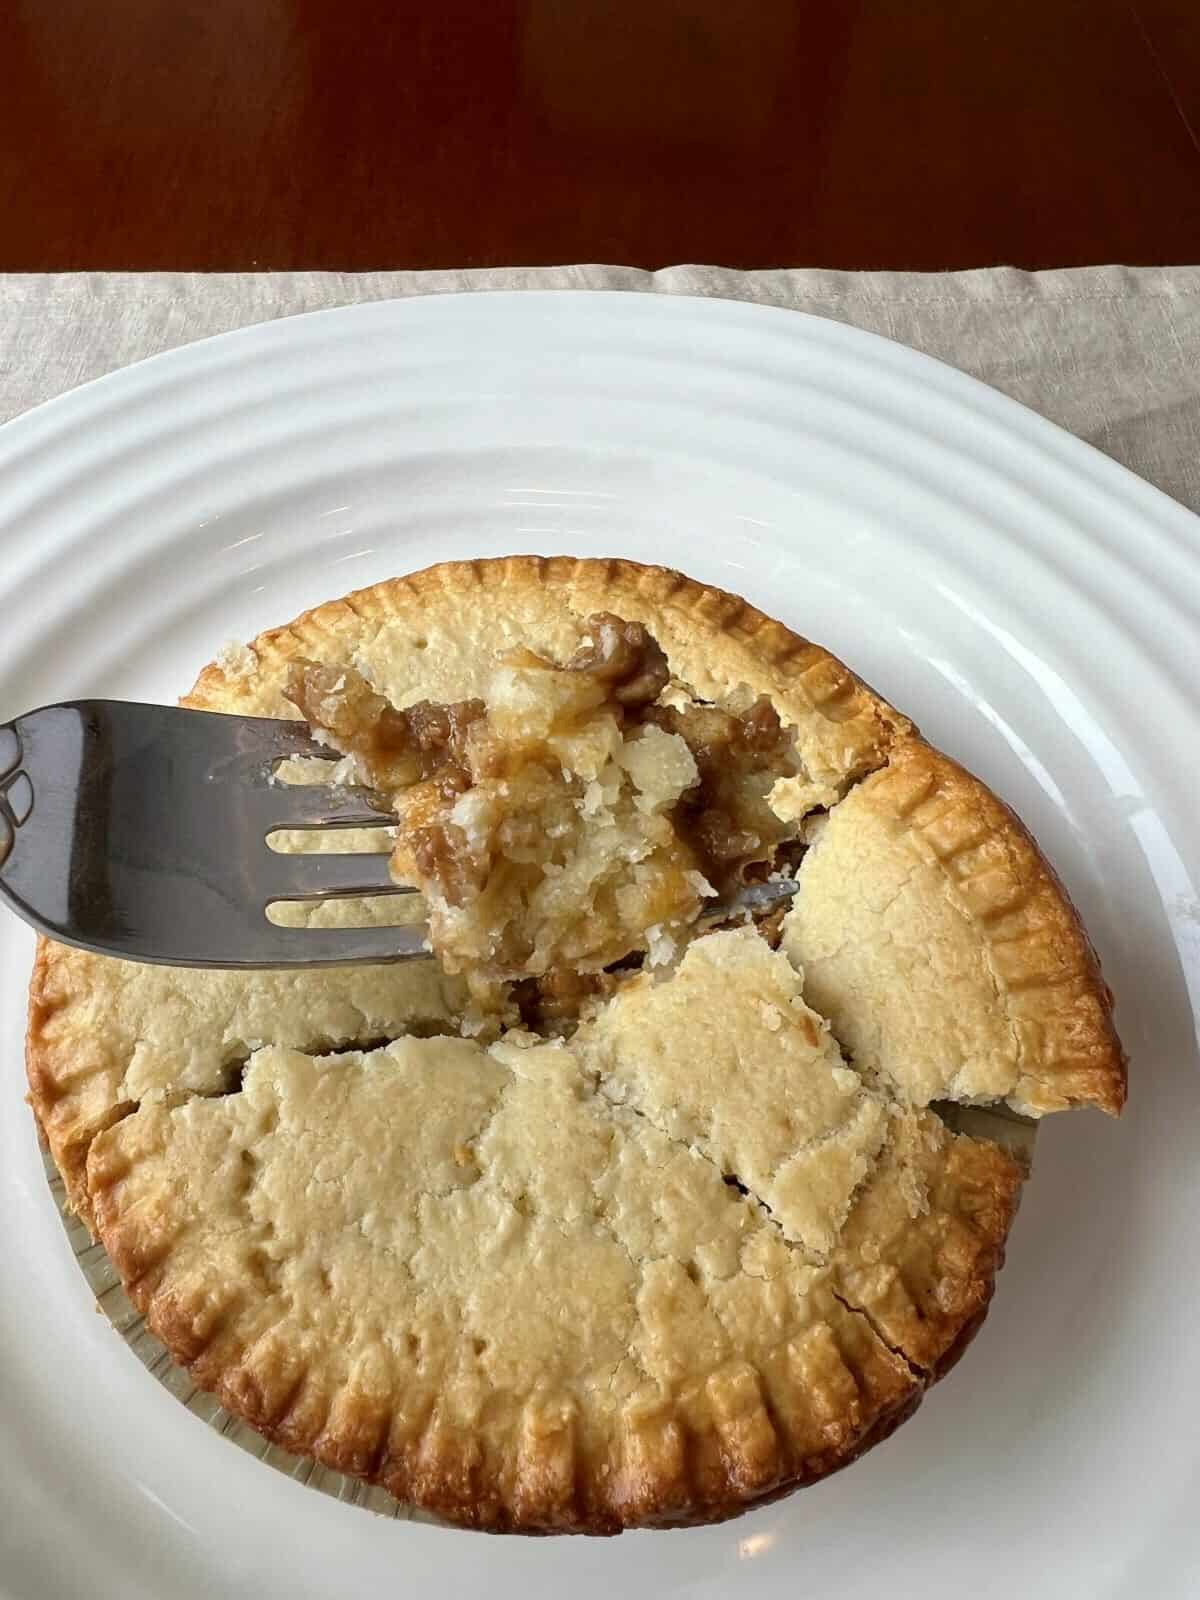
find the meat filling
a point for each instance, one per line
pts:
(579, 814)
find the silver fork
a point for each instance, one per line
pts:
(140, 831)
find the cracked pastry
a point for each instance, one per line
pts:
(684, 1235)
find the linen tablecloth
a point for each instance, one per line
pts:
(1110, 353)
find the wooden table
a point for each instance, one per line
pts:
(419, 133)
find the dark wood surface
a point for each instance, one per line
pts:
(390, 133)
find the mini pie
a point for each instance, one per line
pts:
(691, 1236)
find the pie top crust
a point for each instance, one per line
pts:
(710, 1247)
(469, 1274)
(437, 634)
(944, 952)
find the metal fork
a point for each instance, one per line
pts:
(140, 831)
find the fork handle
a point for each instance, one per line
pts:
(16, 791)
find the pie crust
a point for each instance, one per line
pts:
(709, 1248)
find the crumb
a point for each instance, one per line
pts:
(472, 1022)
(237, 661)
(661, 948)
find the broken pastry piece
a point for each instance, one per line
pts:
(580, 811)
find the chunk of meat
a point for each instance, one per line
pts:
(397, 748)
(623, 656)
(738, 756)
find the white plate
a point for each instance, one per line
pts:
(1031, 604)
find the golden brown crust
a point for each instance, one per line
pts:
(937, 939)
(745, 1363)
(716, 641)
(104, 1036)
(680, 1432)
(74, 1090)
(923, 1273)
(909, 1288)
(1055, 994)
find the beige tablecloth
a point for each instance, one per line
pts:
(1110, 353)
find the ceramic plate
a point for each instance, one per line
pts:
(1033, 606)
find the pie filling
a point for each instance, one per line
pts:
(579, 815)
